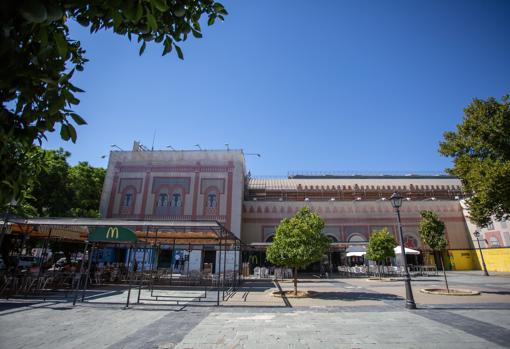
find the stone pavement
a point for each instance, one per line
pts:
(346, 313)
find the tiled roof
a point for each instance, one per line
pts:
(351, 183)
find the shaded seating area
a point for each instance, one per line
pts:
(142, 241)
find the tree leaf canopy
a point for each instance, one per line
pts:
(432, 231)
(38, 58)
(381, 245)
(480, 148)
(298, 241)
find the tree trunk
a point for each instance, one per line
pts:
(379, 270)
(295, 281)
(444, 272)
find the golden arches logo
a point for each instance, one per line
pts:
(113, 232)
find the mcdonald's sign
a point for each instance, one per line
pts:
(112, 233)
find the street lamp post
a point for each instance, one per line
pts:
(396, 202)
(477, 235)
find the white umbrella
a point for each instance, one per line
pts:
(398, 250)
(356, 254)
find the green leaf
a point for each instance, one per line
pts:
(179, 52)
(196, 25)
(168, 46)
(78, 119)
(139, 12)
(196, 34)
(74, 88)
(64, 132)
(152, 21)
(49, 81)
(211, 19)
(218, 7)
(72, 132)
(117, 20)
(83, 21)
(160, 5)
(61, 43)
(180, 11)
(33, 11)
(142, 48)
(54, 12)
(70, 98)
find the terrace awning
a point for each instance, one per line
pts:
(185, 232)
(355, 254)
(398, 250)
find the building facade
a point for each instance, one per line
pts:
(175, 185)
(213, 185)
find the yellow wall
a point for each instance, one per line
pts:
(496, 259)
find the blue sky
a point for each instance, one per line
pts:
(355, 86)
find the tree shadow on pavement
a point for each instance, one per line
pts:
(356, 296)
(497, 292)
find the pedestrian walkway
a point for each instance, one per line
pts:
(345, 313)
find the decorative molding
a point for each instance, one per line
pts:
(218, 183)
(145, 193)
(195, 193)
(130, 182)
(179, 168)
(160, 182)
(228, 223)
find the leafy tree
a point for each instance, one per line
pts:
(61, 190)
(20, 165)
(481, 151)
(381, 247)
(432, 233)
(86, 183)
(51, 194)
(39, 59)
(298, 242)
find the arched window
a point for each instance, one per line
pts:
(128, 198)
(270, 238)
(176, 200)
(162, 200)
(494, 241)
(127, 203)
(169, 200)
(211, 201)
(332, 239)
(357, 238)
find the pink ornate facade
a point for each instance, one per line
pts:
(175, 185)
(212, 185)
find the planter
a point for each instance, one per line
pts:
(453, 292)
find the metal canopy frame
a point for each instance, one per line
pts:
(173, 227)
(149, 233)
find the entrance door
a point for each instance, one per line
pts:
(165, 259)
(210, 257)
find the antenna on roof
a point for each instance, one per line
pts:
(153, 138)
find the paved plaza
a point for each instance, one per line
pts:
(345, 313)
